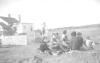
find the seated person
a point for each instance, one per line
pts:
(56, 48)
(65, 46)
(73, 41)
(89, 43)
(43, 47)
(64, 36)
(80, 41)
(65, 42)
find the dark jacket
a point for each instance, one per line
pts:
(79, 42)
(73, 43)
(76, 43)
(44, 47)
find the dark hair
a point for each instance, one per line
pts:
(73, 33)
(65, 31)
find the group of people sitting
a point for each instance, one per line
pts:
(59, 44)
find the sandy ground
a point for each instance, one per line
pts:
(25, 54)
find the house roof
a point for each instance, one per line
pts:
(9, 20)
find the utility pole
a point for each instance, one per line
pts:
(19, 17)
(44, 28)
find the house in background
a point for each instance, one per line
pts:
(15, 38)
(27, 27)
(23, 39)
(9, 25)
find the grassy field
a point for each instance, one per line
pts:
(25, 54)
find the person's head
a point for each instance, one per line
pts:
(79, 34)
(65, 32)
(73, 34)
(57, 34)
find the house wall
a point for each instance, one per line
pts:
(14, 40)
(27, 27)
(29, 30)
(20, 39)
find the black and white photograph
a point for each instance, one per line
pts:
(49, 31)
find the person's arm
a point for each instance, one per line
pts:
(84, 42)
(93, 43)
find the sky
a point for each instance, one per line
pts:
(56, 13)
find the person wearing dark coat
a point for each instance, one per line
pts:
(43, 47)
(73, 41)
(80, 41)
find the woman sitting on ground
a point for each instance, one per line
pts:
(65, 42)
(44, 47)
(89, 43)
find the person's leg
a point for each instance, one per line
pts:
(60, 52)
(50, 52)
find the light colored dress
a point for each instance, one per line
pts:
(90, 43)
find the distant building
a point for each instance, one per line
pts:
(8, 24)
(27, 27)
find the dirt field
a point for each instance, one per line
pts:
(25, 54)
